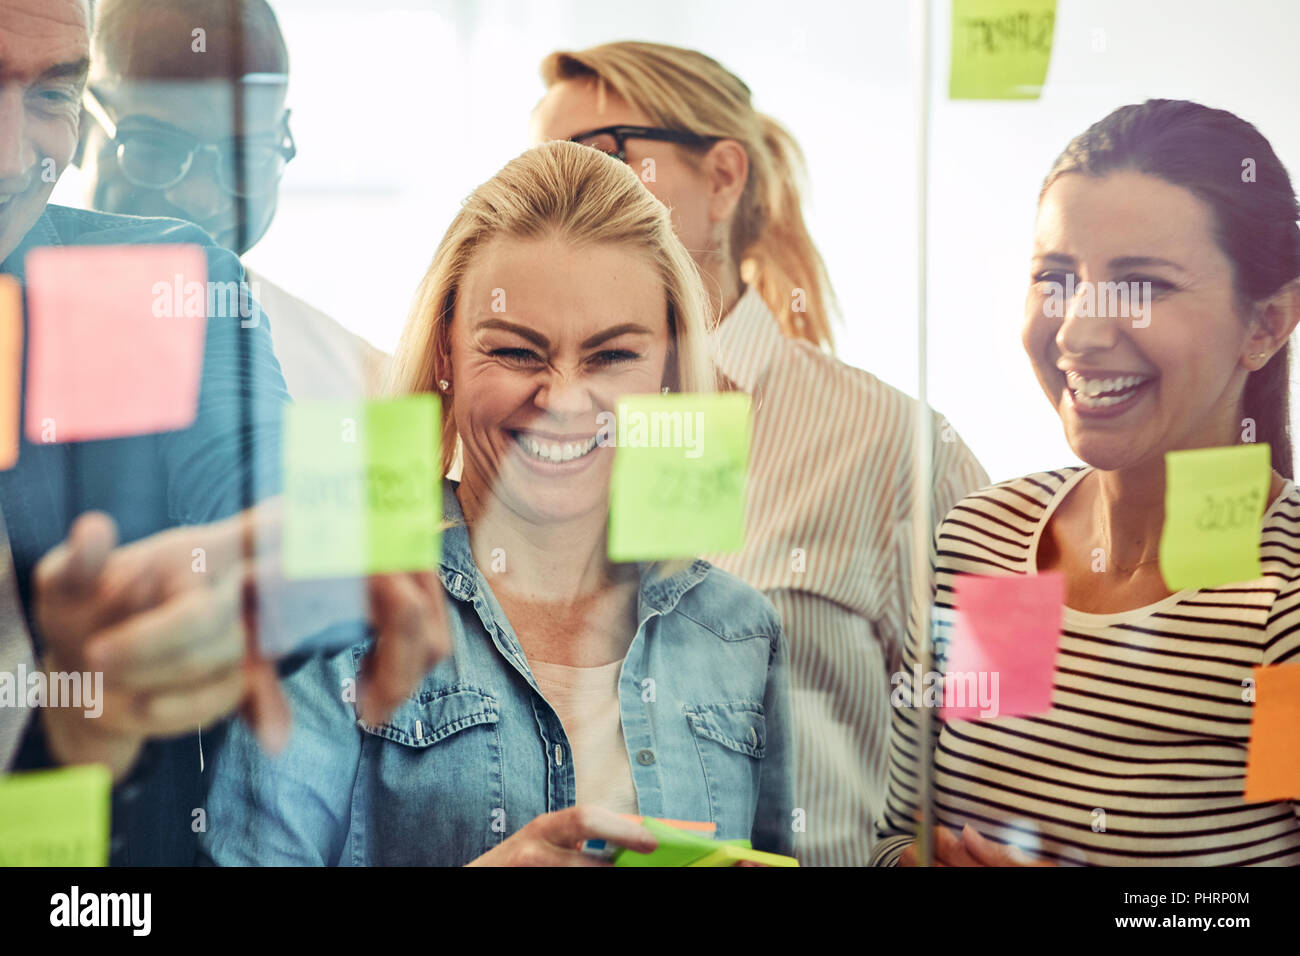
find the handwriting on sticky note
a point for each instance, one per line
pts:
(1273, 761)
(11, 376)
(55, 817)
(677, 488)
(362, 487)
(1214, 499)
(109, 354)
(1001, 661)
(1000, 48)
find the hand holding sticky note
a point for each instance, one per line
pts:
(1006, 633)
(677, 488)
(116, 336)
(362, 487)
(1000, 48)
(55, 817)
(1273, 762)
(681, 847)
(1214, 499)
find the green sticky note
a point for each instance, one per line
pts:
(678, 484)
(1214, 499)
(1000, 48)
(362, 489)
(55, 817)
(676, 847)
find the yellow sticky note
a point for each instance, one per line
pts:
(677, 488)
(1214, 499)
(1273, 762)
(55, 817)
(363, 492)
(11, 358)
(1000, 48)
(729, 854)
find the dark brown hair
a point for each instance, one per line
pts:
(1206, 151)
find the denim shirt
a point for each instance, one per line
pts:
(477, 752)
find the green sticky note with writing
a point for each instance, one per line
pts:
(55, 817)
(678, 484)
(1000, 48)
(362, 491)
(1214, 499)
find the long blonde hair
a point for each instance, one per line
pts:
(581, 196)
(684, 89)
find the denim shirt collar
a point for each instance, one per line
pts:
(658, 594)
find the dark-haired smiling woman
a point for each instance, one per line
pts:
(1141, 759)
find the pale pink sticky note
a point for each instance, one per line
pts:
(1002, 658)
(115, 339)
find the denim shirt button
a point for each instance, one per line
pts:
(645, 757)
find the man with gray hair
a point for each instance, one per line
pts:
(174, 647)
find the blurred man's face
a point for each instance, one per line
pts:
(161, 129)
(44, 48)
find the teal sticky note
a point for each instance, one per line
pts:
(1000, 48)
(55, 817)
(677, 488)
(1214, 500)
(362, 487)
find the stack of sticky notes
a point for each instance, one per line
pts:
(689, 843)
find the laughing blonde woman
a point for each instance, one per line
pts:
(579, 689)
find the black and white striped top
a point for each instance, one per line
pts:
(1141, 760)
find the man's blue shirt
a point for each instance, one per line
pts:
(229, 457)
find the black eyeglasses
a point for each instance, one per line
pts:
(157, 155)
(612, 140)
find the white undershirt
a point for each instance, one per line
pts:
(586, 700)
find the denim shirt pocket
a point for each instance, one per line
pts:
(436, 798)
(433, 716)
(731, 739)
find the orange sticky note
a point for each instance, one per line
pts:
(115, 339)
(11, 356)
(1273, 762)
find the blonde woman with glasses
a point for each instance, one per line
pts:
(830, 496)
(579, 689)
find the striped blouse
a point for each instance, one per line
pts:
(1141, 759)
(828, 539)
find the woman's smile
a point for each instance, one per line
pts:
(1105, 394)
(553, 455)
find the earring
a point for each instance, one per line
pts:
(1259, 355)
(443, 384)
(665, 390)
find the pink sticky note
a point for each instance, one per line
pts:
(115, 340)
(1002, 660)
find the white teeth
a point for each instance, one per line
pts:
(555, 452)
(1101, 392)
